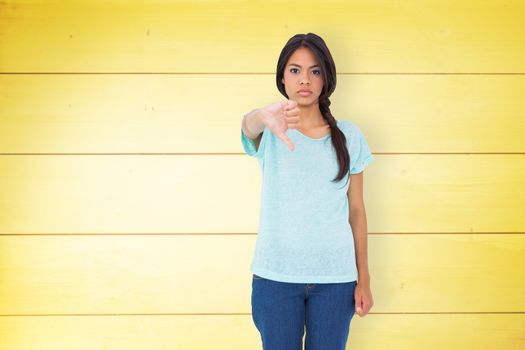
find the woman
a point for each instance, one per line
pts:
(306, 272)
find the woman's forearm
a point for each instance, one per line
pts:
(252, 123)
(359, 230)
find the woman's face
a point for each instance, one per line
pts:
(302, 72)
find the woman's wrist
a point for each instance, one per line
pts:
(363, 276)
(254, 123)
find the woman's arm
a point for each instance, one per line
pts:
(363, 295)
(359, 226)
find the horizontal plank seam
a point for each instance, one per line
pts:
(247, 233)
(236, 154)
(245, 314)
(256, 73)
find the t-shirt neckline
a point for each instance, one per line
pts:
(312, 138)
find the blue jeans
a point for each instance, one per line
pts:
(282, 310)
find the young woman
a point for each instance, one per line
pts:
(306, 272)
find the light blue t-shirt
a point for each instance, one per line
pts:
(304, 233)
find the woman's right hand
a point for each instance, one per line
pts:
(280, 116)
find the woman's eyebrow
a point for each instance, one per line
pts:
(293, 64)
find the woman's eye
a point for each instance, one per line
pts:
(317, 71)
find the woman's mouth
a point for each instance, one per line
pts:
(304, 93)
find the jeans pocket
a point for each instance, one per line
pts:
(257, 277)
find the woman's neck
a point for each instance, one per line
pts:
(311, 117)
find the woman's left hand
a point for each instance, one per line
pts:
(363, 298)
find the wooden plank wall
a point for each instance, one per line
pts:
(128, 209)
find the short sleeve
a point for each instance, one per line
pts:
(249, 145)
(360, 154)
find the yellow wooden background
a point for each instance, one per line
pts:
(128, 209)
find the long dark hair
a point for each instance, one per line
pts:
(317, 45)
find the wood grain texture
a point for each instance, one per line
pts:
(177, 193)
(374, 36)
(128, 209)
(225, 332)
(192, 113)
(194, 274)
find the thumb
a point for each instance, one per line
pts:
(284, 138)
(358, 307)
